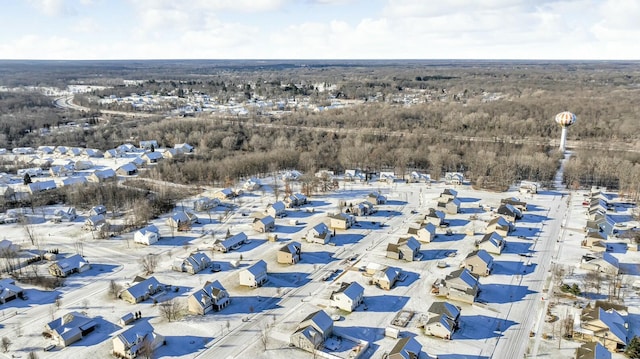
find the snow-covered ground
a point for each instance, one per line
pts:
(511, 304)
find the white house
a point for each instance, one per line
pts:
(147, 235)
(255, 275)
(348, 297)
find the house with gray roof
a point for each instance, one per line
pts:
(460, 285)
(601, 262)
(608, 327)
(194, 263)
(478, 262)
(424, 234)
(500, 226)
(141, 290)
(348, 297)
(127, 169)
(132, 341)
(212, 296)
(435, 217)
(318, 234)
(312, 331)
(290, 253)
(70, 328)
(492, 243)
(407, 249)
(443, 320)
(9, 290)
(406, 348)
(70, 265)
(254, 275)
(386, 278)
(231, 243)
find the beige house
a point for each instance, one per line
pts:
(386, 278)
(606, 326)
(318, 234)
(140, 339)
(255, 275)
(70, 328)
(348, 297)
(264, 224)
(290, 253)
(407, 249)
(406, 348)
(592, 350)
(341, 221)
(492, 243)
(312, 331)
(443, 320)
(500, 226)
(461, 285)
(602, 263)
(212, 296)
(424, 234)
(478, 262)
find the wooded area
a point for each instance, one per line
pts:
(491, 120)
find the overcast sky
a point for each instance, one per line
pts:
(320, 29)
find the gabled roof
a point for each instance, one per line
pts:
(139, 289)
(463, 275)
(278, 206)
(435, 213)
(104, 174)
(611, 319)
(592, 350)
(482, 255)
(445, 308)
(352, 290)
(257, 268)
(444, 320)
(74, 261)
(71, 324)
(128, 167)
(293, 248)
(410, 242)
(408, 348)
(139, 331)
(319, 320)
(493, 238)
(499, 221)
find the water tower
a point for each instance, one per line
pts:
(565, 119)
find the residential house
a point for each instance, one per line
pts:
(601, 223)
(318, 234)
(127, 148)
(148, 145)
(386, 278)
(183, 147)
(152, 157)
(406, 348)
(61, 171)
(376, 198)
(41, 186)
(94, 223)
(264, 224)
(348, 297)
(420, 177)
(112, 153)
(434, 217)
(478, 262)
(70, 265)
(80, 165)
(100, 176)
(445, 308)
(225, 193)
(75, 151)
(93, 153)
(407, 248)
(509, 212)
(205, 204)
(127, 169)
(97, 210)
(492, 243)
(70, 328)
(147, 235)
(45, 150)
(341, 221)
(9, 290)
(182, 221)
(447, 195)
(7, 193)
(515, 202)
(212, 296)
(592, 350)
(312, 331)
(500, 226)
(255, 275)
(440, 326)
(452, 206)
(66, 214)
(194, 263)
(133, 341)
(290, 253)
(252, 184)
(608, 327)
(61, 150)
(277, 210)
(232, 242)
(170, 153)
(142, 290)
(139, 161)
(454, 178)
(527, 187)
(424, 234)
(602, 263)
(461, 285)
(70, 181)
(295, 200)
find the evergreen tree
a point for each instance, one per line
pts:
(633, 348)
(26, 179)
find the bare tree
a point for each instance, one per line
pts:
(30, 232)
(6, 343)
(32, 355)
(172, 309)
(264, 336)
(114, 289)
(149, 263)
(146, 349)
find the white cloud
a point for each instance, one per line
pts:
(53, 7)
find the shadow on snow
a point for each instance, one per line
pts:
(512, 268)
(344, 239)
(287, 280)
(433, 254)
(502, 293)
(384, 303)
(481, 327)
